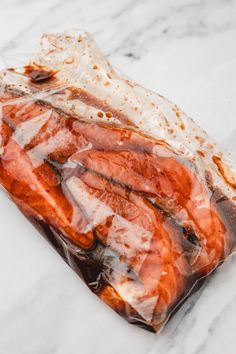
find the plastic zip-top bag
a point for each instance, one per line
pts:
(135, 197)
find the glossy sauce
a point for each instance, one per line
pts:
(111, 202)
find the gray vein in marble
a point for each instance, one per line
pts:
(166, 21)
(29, 306)
(22, 35)
(214, 325)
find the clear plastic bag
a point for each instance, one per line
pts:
(135, 197)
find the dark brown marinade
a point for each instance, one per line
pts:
(39, 74)
(225, 207)
(89, 265)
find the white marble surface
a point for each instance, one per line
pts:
(184, 49)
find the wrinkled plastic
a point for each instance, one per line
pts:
(135, 197)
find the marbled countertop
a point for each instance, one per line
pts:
(184, 49)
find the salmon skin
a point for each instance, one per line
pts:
(136, 214)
